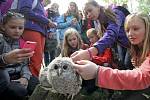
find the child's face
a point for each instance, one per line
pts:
(54, 7)
(92, 11)
(72, 7)
(135, 31)
(14, 28)
(72, 40)
(92, 38)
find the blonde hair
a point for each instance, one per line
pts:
(140, 53)
(66, 49)
(92, 31)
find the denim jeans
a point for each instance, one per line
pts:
(10, 90)
(125, 57)
(13, 90)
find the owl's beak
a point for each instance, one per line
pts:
(59, 71)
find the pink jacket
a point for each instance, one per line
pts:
(136, 79)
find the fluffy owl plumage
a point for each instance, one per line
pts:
(44, 78)
(62, 76)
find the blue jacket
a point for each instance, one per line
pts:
(114, 33)
(36, 18)
(63, 25)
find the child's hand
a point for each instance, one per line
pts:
(80, 55)
(134, 63)
(86, 69)
(22, 81)
(51, 24)
(50, 35)
(18, 55)
(74, 21)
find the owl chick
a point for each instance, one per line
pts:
(63, 77)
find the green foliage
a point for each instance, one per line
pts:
(116, 1)
(122, 1)
(144, 6)
(47, 2)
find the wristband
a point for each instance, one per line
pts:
(96, 79)
(90, 53)
(3, 59)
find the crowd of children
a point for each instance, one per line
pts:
(91, 39)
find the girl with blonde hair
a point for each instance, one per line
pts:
(137, 80)
(72, 42)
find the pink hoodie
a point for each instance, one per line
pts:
(136, 79)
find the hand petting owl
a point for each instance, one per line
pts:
(60, 77)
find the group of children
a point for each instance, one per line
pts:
(134, 35)
(15, 76)
(13, 26)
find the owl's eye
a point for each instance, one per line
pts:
(55, 67)
(65, 67)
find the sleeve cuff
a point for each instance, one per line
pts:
(27, 76)
(2, 60)
(97, 77)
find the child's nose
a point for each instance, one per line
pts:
(89, 15)
(90, 40)
(17, 30)
(130, 32)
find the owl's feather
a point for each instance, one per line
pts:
(43, 77)
(62, 77)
